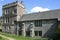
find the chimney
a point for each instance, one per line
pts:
(16, 0)
(22, 2)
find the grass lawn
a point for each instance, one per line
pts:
(21, 37)
(1, 38)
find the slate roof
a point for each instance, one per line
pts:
(41, 15)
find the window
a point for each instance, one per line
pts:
(7, 20)
(27, 33)
(15, 11)
(38, 33)
(38, 23)
(6, 11)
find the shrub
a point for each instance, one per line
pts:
(0, 30)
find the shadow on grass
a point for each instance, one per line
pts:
(21, 37)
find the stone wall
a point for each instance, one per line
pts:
(48, 27)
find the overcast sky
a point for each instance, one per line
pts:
(35, 5)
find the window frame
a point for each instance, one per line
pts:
(38, 23)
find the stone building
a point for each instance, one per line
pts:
(11, 12)
(15, 21)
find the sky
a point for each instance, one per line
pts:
(35, 5)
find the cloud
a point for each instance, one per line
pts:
(38, 9)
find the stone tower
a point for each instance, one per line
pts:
(12, 12)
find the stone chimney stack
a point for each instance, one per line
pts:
(22, 2)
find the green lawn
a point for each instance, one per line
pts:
(21, 37)
(1, 38)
